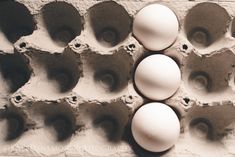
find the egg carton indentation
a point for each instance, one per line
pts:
(12, 125)
(108, 24)
(54, 75)
(210, 125)
(15, 22)
(107, 119)
(204, 33)
(56, 120)
(206, 78)
(15, 72)
(233, 28)
(58, 23)
(105, 76)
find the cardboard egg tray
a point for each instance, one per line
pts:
(67, 88)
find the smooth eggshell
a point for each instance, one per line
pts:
(155, 127)
(157, 77)
(156, 27)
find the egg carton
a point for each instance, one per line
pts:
(67, 85)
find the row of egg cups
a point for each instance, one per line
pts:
(204, 123)
(214, 31)
(57, 23)
(68, 115)
(112, 32)
(129, 49)
(77, 69)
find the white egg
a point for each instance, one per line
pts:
(157, 77)
(156, 27)
(155, 127)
